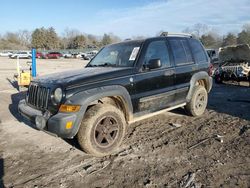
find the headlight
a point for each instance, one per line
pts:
(58, 95)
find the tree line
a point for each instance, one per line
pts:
(48, 39)
(211, 39)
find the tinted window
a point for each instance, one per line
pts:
(181, 51)
(158, 50)
(198, 51)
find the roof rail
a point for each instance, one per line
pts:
(165, 34)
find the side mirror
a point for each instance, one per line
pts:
(154, 64)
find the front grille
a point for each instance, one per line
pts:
(38, 96)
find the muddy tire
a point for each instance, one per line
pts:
(102, 130)
(198, 103)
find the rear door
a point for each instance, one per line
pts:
(184, 66)
(200, 56)
(155, 87)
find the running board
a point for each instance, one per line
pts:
(156, 113)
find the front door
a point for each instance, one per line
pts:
(155, 87)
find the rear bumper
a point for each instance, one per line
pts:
(55, 124)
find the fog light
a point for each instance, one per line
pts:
(69, 125)
(40, 122)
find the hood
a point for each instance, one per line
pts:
(84, 75)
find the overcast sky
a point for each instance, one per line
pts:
(124, 18)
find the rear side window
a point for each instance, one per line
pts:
(198, 51)
(158, 50)
(181, 51)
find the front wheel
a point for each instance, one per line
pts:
(198, 103)
(102, 130)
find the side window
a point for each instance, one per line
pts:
(198, 51)
(181, 51)
(158, 50)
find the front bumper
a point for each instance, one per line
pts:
(55, 124)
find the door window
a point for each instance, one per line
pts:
(181, 51)
(158, 50)
(198, 51)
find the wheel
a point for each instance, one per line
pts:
(198, 103)
(102, 130)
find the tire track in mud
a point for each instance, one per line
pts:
(142, 136)
(150, 133)
(157, 131)
(154, 149)
(43, 169)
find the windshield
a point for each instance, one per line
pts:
(117, 55)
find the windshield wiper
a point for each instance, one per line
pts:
(92, 65)
(106, 65)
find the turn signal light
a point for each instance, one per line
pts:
(69, 108)
(69, 125)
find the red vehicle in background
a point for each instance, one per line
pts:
(53, 55)
(39, 55)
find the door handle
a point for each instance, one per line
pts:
(169, 73)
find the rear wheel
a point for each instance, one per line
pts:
(198, 103)
(102, 130)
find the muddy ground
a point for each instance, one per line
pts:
(168, 150)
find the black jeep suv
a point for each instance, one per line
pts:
(123, 83)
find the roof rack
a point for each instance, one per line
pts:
(165, 34)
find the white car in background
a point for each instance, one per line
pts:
(21, 55)
(5, 54)
(89, 55)
(67, 55)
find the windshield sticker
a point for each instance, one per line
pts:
(134, 53)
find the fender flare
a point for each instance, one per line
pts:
(85, 98)
(199, 76)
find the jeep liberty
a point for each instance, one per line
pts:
(125, 82)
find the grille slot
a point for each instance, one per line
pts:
(38, 96)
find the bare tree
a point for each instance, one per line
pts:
(68, 35)
(24, 38)
(244, 35)
(77, 42)
(229, 39)
(197, 30)
(246, 27)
